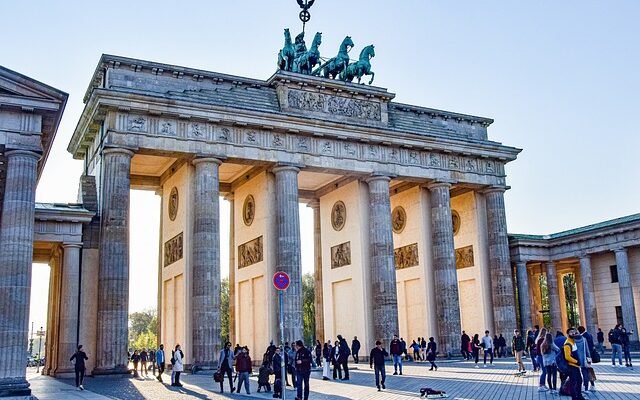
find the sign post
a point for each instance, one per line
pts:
(281, 283)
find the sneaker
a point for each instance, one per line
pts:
(485, 366)
(477, 366)
(395, 373)
(400, 373)
(78, 388)
(379, 390)
(593, 387)
(383, 386)
(542, 389)
(81, 387)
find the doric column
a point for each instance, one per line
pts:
(113, 275)
(444, 267)
(205, 275)
(554, 296)
(626, 294)
(523, 295)
(588, 294)
(159, 192)
(504, 310)
(232, 269)
(16, 257)
(288, 247)
(384, 295)
(317, 269)
(69, 303)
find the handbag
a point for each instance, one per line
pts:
(592, 374)
(217, 376)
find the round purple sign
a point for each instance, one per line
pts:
(281, 280)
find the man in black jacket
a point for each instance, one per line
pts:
(395, 348)
(376, 361)
(303, 369)
(464, 345)
(355, 348)
(344, 357)
(79, 356)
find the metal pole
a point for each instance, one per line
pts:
(39, 350)
(283, 371)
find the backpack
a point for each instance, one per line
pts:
(614, 337)
(561, 362)
(173, 358)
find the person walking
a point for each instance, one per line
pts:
(487, 344)
(432, 351)
(376, 361)
(135, 359)
(539, 340)
(243, 367)
(344, 357)
(178, 365)
(263, 377)
(395, 349)
(549, 350)
(616, 345)
(160, 360)
(303, 369)
(326, 355)
(600, 336)
(335, 360)
(291, 364)
(475, 348)
(465, 341)
(355, 349)
(416, 350)
(570, 351)
(318, 353)
(152, 361)
(531, 348)
(143, 363)
(79, 357)
(225, 366)
(517, 347)
(624, 342)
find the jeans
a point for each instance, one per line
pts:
(226, 369)
(379, 370)
(543, 370)
(627, 354)
(176, 380)
(616, 349)
(303, 380)
(575, 383)
(600, 347)
(476, 354)
(243, 377)
(397, 361)
(534, 360)
(79, 376)
(490, 352)
(160, 371)
(552, 376)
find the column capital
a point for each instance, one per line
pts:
(620, 250)
(494, 189)
(213, 160)
(229, 196)
(72, 245)
(25, 153)
(584, 256)
(379, 176)
(314, 204)
(550, 263)
(286, 167)
(118, 150)
(439, 184)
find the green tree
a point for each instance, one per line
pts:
(308, 308)
(224, 310)
(143, 326)
(571, 299)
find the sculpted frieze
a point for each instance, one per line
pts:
(250, 252)
(334, 105)
(173, 249)
(406, 256)
(341, 255)
(464, 257)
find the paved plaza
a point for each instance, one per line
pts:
(459, 379)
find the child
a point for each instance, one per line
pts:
(263, 377)
(277, 389)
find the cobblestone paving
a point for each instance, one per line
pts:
(459, 379)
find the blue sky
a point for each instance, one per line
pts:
(560, 79)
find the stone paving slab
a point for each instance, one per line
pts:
(459, 379)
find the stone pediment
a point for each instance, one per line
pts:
(17, 90)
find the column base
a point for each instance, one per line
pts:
(117, 370)
(201, 368)
(14, 387)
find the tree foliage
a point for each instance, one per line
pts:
(143, 328)
(308, 308)
(224, 310)
(571, 299)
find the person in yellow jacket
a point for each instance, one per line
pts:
(571, 355)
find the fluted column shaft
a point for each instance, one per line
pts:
(444, 267)
(205, 281)
(113, 274)
(317, 270)
(554, 296)
(588, 294)
(504, 310)
(626, 295)
(524, 299)
(69, 303)
(288, 247)
(384, 295)
(16, 258)
(232, 270)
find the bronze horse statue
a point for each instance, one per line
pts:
(305, 63)
(287, 54)
(360, 67)
(336, 64)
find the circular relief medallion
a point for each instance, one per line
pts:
(173, 204)
(248, 210)
(455, 221)
(398, 219)
(338, 215)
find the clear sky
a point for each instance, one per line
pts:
(560, 79)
